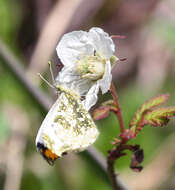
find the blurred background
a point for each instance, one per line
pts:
(29, 33)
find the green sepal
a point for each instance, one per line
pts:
(103, 111)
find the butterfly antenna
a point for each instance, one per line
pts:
(45, 81)
(51, 72)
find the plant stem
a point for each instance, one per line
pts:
(113, 155)
(117, 152)
(111, 172)
(119, 111)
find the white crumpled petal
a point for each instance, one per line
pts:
(72, 46)
(105, 82)
(68, 78)
(82, 86)
(102, 43)
(67, 74)
(91, 97)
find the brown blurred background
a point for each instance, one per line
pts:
(29, 33)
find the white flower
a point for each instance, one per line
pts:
(87, 59)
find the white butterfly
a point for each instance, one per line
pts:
(67, 127)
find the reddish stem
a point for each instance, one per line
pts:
(118, 36)
(119, 112)
(117, 152)
(113, 155)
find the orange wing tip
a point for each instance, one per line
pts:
(47, 154)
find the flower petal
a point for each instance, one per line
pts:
(82, 86)
(67, 74)
(91, 97)
(72, 46)
(102, 43)
(105, 82)
(68, 78)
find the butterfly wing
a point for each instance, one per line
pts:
(68, 127)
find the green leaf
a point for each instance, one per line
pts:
(159, 117)
(136, 122)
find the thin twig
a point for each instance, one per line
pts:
(16, 67)
(119, 111)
